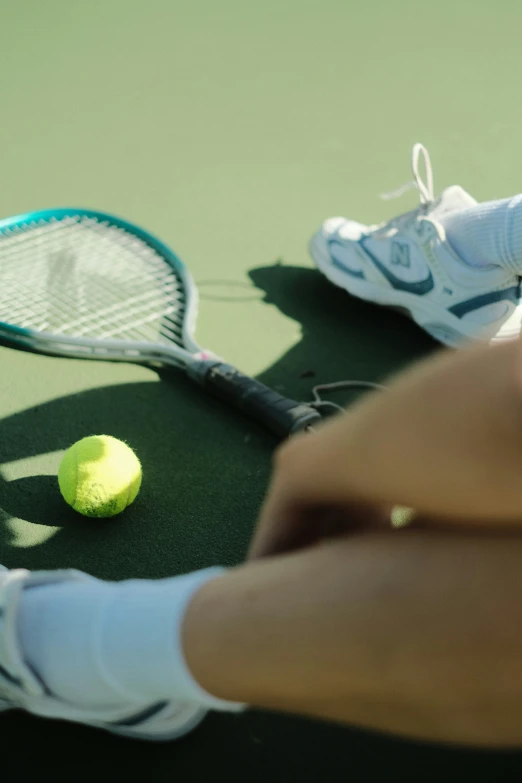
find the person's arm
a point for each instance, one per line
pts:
(414, 632)
(445, 439)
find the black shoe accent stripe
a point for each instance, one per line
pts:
(511, 294)
(9, 677)
(143, 716)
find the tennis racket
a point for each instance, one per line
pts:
(85, 284)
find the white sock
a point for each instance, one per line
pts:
(104, 644)
(488, 233)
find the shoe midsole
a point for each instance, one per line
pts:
(424, 312)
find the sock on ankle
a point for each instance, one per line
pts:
(488, 233)
(103, 644)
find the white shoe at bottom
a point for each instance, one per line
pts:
(407, 263)
(21, 688)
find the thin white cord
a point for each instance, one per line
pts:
(319, 403)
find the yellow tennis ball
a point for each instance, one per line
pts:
(99, 476)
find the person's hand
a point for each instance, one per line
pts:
(445, 439)
(300, 509)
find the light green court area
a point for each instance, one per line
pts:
(231, 130)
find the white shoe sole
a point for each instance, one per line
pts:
(170, 729)
(181, 724)
(438, 322)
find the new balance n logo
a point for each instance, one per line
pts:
(400, 254)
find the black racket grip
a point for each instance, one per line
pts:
(280, 414)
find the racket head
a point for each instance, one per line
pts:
(88, 284)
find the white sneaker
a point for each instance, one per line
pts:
(408, 263)
(21, 688)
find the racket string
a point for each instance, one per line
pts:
(83, 277)
(109, 282)
(91, 238)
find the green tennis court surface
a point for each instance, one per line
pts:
(230, 130)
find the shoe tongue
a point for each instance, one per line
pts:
(452, 199)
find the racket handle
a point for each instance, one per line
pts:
(280, 414)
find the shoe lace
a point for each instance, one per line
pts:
(425, 189)
(424, 186)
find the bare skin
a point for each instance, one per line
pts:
(411, 633)
(338, 616)
(446, 439)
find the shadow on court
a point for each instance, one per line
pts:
(206, 470)
(342, 338)
(205, 466)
